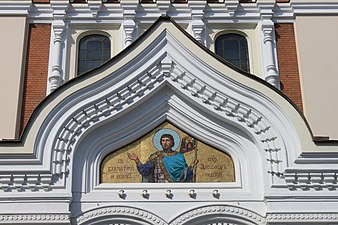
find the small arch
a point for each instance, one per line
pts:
(219, 214)
(117, 215)
(233, 47)
(93, 50)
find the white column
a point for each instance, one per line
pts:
(268, 43)
(55, 77)
(268, 47)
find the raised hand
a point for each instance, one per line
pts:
(133, 157)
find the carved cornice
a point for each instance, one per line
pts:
(228, 10)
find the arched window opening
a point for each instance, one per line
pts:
(234, 49)
(93, 51)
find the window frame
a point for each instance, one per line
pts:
(78, 46)
(243, 35)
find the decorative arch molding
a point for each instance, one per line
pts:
(219, 214)
(118, 214)
(163, 57)
(160, 65)
(203, 215)
(165, 106)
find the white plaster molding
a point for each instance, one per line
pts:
(164, 62)
(126, 213)
(12, 8)
(55, 76)
(218, 12)
(35, 218)
(129, 25)
(232, 6)
(102, 109)
(228, 212)
(270, 71)
(25, 182)
(316, 179)
(163, 6)
(129, 28)
(197, 24)
(95, 6)
(207, 213)
(316, 218)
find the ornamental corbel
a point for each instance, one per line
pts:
(163, 6)
(94, 6)
(197, 27)
(129, 28)
(232, 6)
(129, 25)
(197, 23)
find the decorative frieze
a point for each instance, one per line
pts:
(302, 217)
(35, 218)
(24, 182)
(304, 180)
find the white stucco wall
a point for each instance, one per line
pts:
(317, 43)
(12, 40)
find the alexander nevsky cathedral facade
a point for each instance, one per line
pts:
(169, 112)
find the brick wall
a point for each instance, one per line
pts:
(36, 73)
(288, 63)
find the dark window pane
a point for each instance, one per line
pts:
(82, 55)
(106, 55)
(92, 64)
(93, 45)
(94, 55)
(106, 43)
(93, 51)
(234, 49)
(82, 67)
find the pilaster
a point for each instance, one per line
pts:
(268, 40)
(55, 77)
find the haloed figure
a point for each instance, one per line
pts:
(165, 165)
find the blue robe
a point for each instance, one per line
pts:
(174, 167)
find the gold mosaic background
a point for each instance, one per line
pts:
(213, 165)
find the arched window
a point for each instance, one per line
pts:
(234, 49)
(93, 51)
